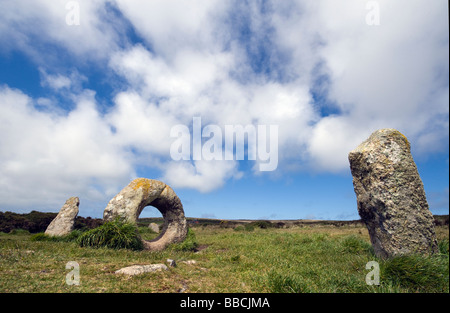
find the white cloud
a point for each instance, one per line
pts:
(331, 140)
(391, 75)
(194, 61)
(59, 82)
(204, 176)
(29, 24)
(141, 124)
(47, 158)
(169, 26)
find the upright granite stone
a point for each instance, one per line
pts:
(390, 196)
(63, 223)
(141, 192)
(154, 227)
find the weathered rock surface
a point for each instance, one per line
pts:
(154, 227)
(141, 192)
(189, 262)
(390, 196)
(141, 269)
(63, 223)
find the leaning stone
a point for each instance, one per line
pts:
(63, 223)
(141, 269)
(390, 196)
(154, 227)
(141, 192)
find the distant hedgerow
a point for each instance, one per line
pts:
(115, 234)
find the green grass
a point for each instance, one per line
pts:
(417, 273)
(73, 236)
(189, 244)
(115, 234)
(308, 259)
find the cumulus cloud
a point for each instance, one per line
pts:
(315, 69)
(58, 82)
(202, 175)
(390, 75)
(46, 157)
(27, 25)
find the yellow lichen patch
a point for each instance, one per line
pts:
(143, 183)
(404, 138)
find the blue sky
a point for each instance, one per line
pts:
(89, 92)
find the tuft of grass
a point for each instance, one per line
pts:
(417, 273)
(19, 231)
(286, 283)
(72, 236)
(40, 237)
(355, 245)
(115, 234)
(443, 246)
(189, 244)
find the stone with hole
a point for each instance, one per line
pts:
(141, 192)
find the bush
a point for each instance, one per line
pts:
(116, 234)
(33, 222)
(37, 222)
(249, 227)
(262, 224)
(86, 223)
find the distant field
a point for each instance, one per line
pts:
(240, 257)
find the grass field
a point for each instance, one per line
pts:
(296, 259)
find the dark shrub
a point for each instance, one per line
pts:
(33, 222)
(262, 224)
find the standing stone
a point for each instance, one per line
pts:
(141, 192)
(390, 196)
(62, 224)
(154, 227)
